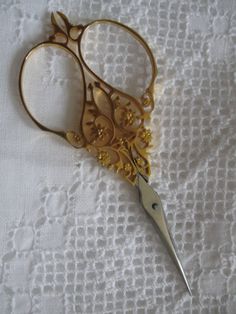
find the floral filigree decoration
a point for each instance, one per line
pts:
(112, 125)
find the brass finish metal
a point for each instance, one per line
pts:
(112, 124)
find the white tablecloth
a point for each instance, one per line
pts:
(73, 237)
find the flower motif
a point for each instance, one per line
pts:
(99, 131)
(146, 136)
(75, 139)
(122, 142)
(104, 158)
(127, 167)
(128, 117)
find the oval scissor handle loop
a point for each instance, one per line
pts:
(69, 135)
(150, 87)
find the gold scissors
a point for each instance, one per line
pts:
(112, 126)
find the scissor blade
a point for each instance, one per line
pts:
(152, 204)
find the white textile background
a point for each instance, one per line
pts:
(73, 237)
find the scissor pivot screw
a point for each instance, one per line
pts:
(155, 206)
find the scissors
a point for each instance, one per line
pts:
(112, 126)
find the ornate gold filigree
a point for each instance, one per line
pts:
(112, 124)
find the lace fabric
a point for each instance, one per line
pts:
(73, 236)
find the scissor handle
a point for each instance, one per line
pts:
(112, 122)
(135, 35)
(71, 136)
